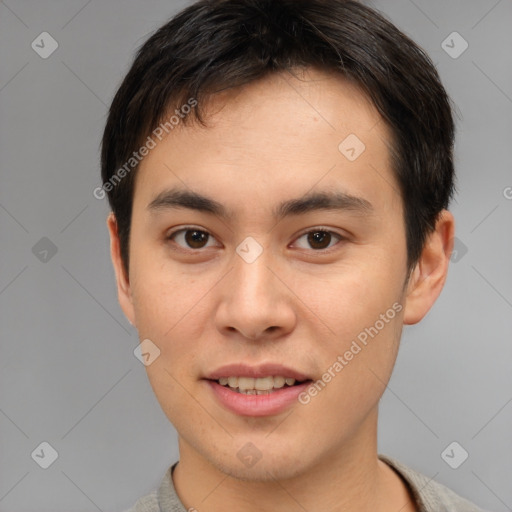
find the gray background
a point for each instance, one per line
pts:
(68, 375)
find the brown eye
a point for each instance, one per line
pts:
(195, 238)
(319, 239)
(190, 238)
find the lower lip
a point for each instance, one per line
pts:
(257, 405)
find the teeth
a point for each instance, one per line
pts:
(245, 383)
(259, 386)
(264, 384)
(279, 382)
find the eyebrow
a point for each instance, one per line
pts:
(176, 198)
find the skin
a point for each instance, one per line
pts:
(267, 142)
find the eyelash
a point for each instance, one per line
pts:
(320, 229)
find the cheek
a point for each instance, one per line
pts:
(356, 365)
(170, 310)
(363, 309)
(166, 299)
(346, 300)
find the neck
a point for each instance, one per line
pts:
(350, 477)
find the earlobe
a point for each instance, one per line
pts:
(122, 280)
(429, 275)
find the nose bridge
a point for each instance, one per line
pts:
(252, 280)
(254, 302)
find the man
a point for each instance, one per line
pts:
(279, 174)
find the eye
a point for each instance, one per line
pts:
(320, 238)
(194, 238)
(190, 238)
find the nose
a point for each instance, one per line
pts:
(256, 303)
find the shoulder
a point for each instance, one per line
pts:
(163, 498)
(430, 495)
(148, 503)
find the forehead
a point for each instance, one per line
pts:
(281, 135)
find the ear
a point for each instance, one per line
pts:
(123, 285)
(429, 275)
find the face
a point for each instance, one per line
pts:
(294, 267)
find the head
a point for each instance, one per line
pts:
(321, 132)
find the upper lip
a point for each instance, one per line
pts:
(261, 370)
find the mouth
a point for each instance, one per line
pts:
(258, 386)
(263, 390)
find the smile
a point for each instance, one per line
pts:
(256, 386)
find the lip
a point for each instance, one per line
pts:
(262, 370)
(257, 405)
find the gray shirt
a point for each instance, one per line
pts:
(430, 495)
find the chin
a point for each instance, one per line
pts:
(268, 470)
(260, 460)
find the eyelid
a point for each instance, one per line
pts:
(321, 228)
